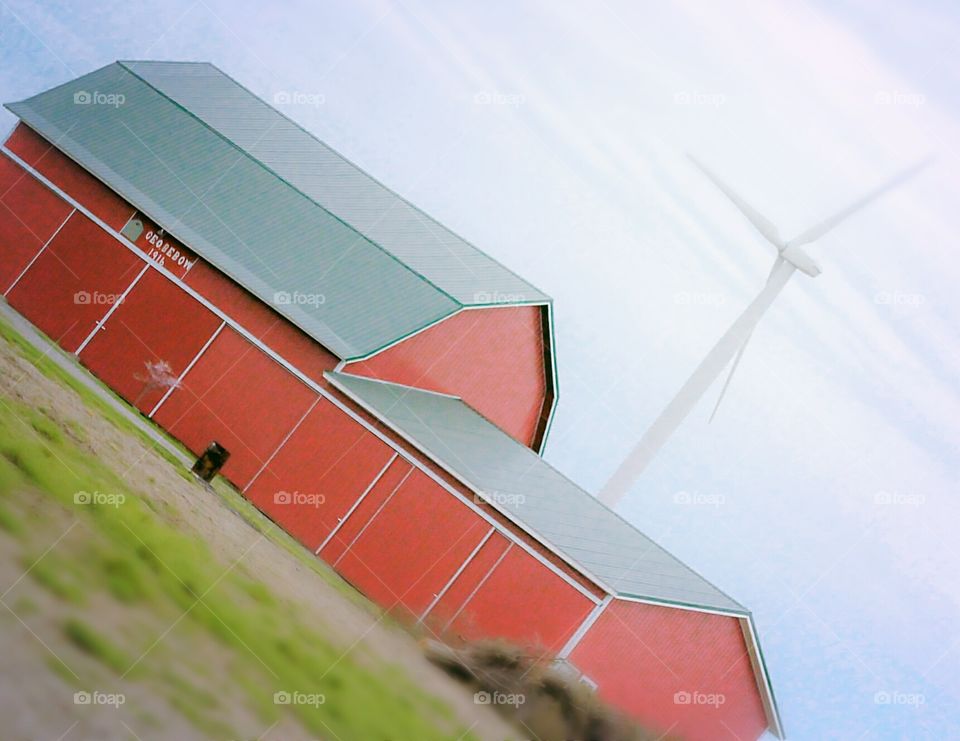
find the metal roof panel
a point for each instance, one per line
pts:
(535, 495)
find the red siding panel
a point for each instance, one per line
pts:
(157, 321)
(524, 602)
(68, 176)
(492, 358)
(321, 470)
(71, 285)
(459, 592)
(262, 322)
(642, 656)
(239, 397)
(413, 546)
(384, 488)
(29, 215)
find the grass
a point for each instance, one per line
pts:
(132, 555)
(88, 640)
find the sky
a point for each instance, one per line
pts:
(555, 136)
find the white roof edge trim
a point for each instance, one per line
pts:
(774, 722)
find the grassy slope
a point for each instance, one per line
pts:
(134, 563)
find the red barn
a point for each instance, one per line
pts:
(385, 389)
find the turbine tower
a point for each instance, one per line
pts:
(790, 257)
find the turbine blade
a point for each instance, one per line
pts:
(726, 384)
(695, 387)
(815, 232)
(761, 222)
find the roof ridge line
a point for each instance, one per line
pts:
(378, 182)
(275, 174)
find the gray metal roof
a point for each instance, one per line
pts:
(268, 204)
(535, 495)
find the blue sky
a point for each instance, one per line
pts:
(554, 136)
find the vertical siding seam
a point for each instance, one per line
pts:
(186, 370)
(281, 444)
(353, 507)
(457, 573)
(584, 628)
(477, 588)
(116, 305)
(40, 252)
(373, 516)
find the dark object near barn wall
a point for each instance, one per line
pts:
(209, 464)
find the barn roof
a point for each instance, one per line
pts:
(270, 205)
(535, 495)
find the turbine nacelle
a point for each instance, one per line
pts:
(799, 258)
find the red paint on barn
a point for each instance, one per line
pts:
(157, 322)
(239, 397)
(66, 175)
(29, 215)
(398, 471)
(74, 282)
(262, 322)
(318, 473)
(410, 550)
(492, 358)
(455, 598)
(522, 601)
(649, 660)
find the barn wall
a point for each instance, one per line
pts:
(396, 532)
(661, 664)
(492, 358)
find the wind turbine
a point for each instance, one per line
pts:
(790, 257)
